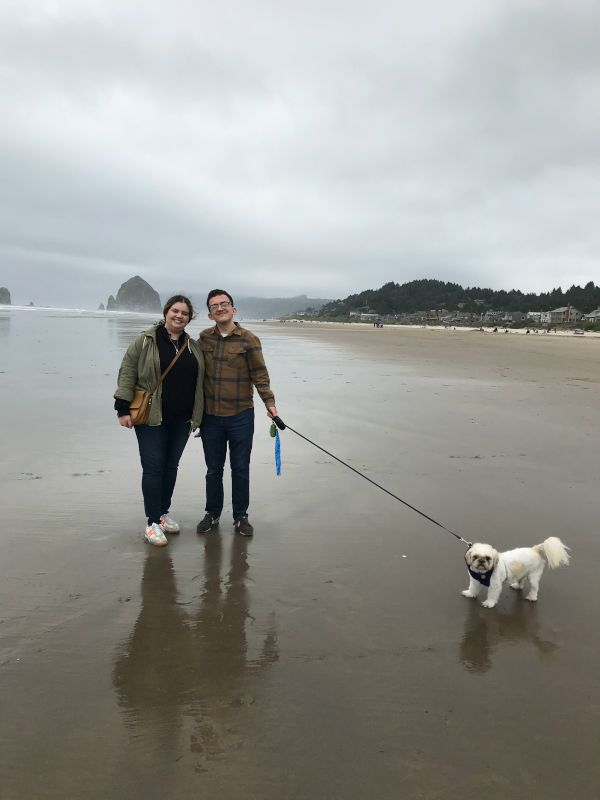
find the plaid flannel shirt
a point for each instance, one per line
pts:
(234, 365)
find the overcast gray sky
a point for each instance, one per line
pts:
(277, 148)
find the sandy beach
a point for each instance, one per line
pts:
(333, 655)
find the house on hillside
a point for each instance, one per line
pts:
(559, 316)
(493, 316)
(436, 314)
(593, 316)
(364, 316)
(514, 316)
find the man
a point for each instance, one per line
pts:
(234, 365)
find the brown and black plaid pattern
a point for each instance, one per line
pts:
(234, 365)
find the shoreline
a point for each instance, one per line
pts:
(298, 322)
(460, 352)
(442, 328)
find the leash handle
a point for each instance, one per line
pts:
(279, 422)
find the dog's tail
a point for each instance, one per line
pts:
(557, 554)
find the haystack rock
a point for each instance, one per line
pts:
(137, 295)
(4, 296)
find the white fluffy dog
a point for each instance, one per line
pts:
(488, 567)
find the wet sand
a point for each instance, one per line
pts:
(332, 656)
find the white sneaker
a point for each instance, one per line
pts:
(168, 524)
(155, 535)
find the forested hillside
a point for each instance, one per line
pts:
(394, 298)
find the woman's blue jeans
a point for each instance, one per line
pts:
(161, 447)
(236, 431)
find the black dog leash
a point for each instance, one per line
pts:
(282, 426)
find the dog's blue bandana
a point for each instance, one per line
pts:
(482, 577)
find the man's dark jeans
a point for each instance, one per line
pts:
(217, 433)
(160, 447)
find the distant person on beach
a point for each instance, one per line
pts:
(234, 366)
(175, 411)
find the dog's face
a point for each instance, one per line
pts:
(481, 557)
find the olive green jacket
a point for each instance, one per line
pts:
(140, 369)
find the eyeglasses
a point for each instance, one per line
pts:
(223, 304)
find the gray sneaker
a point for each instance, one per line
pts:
(207, 523)
(242, 526)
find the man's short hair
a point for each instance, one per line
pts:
(214, 293)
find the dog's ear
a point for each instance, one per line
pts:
(469, 556)
(496, 556)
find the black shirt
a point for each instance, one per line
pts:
(179, 387)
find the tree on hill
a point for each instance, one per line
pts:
(427, 294)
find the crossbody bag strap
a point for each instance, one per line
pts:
(171, 365)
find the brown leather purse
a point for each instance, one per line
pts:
(139, 408)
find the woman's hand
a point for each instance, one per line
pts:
(126, 421)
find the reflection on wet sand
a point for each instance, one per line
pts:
(485, 632)
(4, 324)
(186, 676)
(127, 328)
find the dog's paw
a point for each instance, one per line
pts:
(531, 597)
(516, 586)
(488, 603)
(467, 593)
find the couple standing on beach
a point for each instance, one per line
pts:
(210, 386)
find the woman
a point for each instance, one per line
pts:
(175, 411)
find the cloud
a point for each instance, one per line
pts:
(317, 148)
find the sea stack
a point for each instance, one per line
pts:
(4, 296)
(136, 294)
